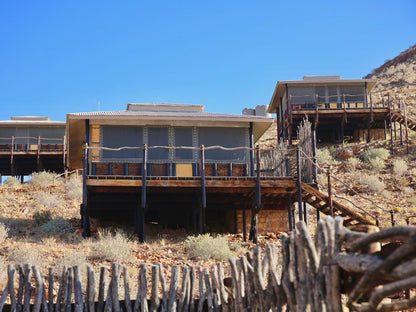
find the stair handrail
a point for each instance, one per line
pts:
(350, 188)
(66, 173)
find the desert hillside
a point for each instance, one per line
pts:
(397, 77)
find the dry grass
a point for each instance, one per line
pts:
(399, 167)
(4, 232)
(42, 179)
(207, 247)
(372, 182)
(57, 226)
(114, 247)
(74, 188)
(49, 200)
(25, 253)
(12, 182)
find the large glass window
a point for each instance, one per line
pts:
(302, 95)
(226, 137)
(158, 136)
(121, 136)
(183, 137)
(353, 93)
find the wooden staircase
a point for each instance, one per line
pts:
(398, 117)
(320, 201)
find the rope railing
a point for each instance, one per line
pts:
(348, 186)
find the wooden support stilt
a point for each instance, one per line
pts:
(290, 119)
(245, 221)
(38, 156)
(305, 213)
(368, 130)
(331, 206)
(299, 172)
(391, 125)
(385, 130)
(203, 190)
(251, 142)
(140, 209)
(316, 111)
(12, 157)
(289, 211)
(85, 220)
(406, 126)
(315, 166)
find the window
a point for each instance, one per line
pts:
(158, 136)
(120, 136)
(183, 137)
(226, 137)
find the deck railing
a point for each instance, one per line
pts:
(31, 144)
(232, 161)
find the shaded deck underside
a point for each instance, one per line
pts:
(171, 199)
(27, 162)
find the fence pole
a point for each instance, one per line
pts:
(251, 138)
(315, 167)
(86, 231)
(391, 125)
(331, 206)
(299, 184)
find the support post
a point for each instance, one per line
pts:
(251, 142)
(371, 109)
(287, 165)
(299, 171)
(305, 213)
(12, 158)
(316, 111)
(405, 126)
(289, 211)
(385, 130)
(331, 206)
(258, 182)
(64, 153)
(140, 214)
(315, 166)
(203, 205)
(38, 156)
(244, 223)
(391, 125)
(290, 120)
(85, 219)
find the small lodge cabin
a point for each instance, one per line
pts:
(175, 165)
(29, 144)
(338, 108)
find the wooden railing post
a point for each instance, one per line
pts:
(391, 125)
(331, 206)
(12, 157)
(203, 191)
(38, 156)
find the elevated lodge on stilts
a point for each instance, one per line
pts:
(31, 143)
(339, 109)
(177, 165)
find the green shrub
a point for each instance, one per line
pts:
(57, 226)
(12, 182)
(115, 247)
(399, 167)
(42, 179)
(373, 182)
(42, 217)
(377, 163)
(25, 253)
(324, 156)
(74, 188)
(48, 199)
(207, 247)
(373, 153)
(4, 232)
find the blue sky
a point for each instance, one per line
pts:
(66, 56)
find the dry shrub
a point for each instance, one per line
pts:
(4, 232)
(373, 182)
(373, 153)
(354, 161)
(377, 163)
(74, 188)
(25, 253)
(57, 226)
(399, 167)
(70, 259)
(48, 199)
(207, 247)
(12, 182)
(42, 179)
(323, 156)
(115, 247)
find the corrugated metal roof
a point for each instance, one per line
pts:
(161, 115)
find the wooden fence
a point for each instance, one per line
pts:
(304, 275)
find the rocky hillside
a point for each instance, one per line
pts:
(398, 77)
